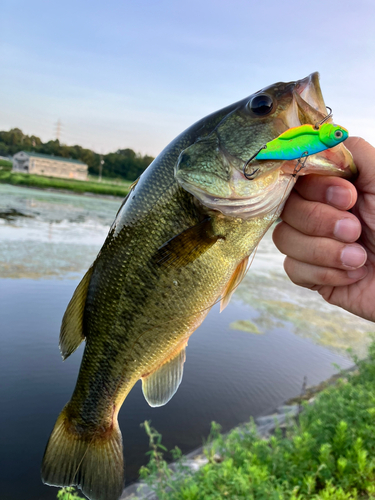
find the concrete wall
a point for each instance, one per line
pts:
(49, 167)
(57, 168)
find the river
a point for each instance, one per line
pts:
(243, 362)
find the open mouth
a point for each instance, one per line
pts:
(309, 98)
(309, 108)
(247, 197)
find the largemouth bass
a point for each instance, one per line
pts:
(180, 242)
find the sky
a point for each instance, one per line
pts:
(135, 73)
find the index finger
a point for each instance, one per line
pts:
(334, 191)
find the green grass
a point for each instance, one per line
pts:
(5, 165)
(329, 455)
(42, 182)
(68, 494)
(108, 180)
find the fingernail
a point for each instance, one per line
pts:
(347, 230)
(339, 196)
(353, 256)
(357, 274)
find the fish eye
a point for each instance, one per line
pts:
(338, 134)
(261, 104)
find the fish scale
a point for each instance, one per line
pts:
(180, 242)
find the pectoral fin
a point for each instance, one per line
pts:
(159, 387)
(187, 246)
(233, 283)
(71, 334)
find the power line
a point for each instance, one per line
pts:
(101, 167)
(58, 127)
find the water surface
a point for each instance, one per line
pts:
(241, 363)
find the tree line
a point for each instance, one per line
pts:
(124, 163)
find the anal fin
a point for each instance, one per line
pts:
(71, 333)
(159, 386)
(233, 283)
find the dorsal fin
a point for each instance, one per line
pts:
(159, 387)
(71, 334)
(233, 282)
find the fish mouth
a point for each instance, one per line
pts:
(309, 108)
(234, 194)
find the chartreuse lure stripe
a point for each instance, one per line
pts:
(301, 141)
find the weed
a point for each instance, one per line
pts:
(328, 456)
(68, 494)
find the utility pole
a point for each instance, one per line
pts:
(100, 168)
(58, 126)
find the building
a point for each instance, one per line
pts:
(50, 166)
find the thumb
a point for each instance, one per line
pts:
(364, 158)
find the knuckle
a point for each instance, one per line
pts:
(290, 269)
(314, 220)
(317, 253)
(327, 293)
(324, 275)
(324, 252)
(276, 232)
(279, 236)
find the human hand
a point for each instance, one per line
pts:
(329, 249)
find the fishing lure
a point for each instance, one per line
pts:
(298, 143)
(301, 141)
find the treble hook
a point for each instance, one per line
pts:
(253, 173)
(296, 170)
(317, 125)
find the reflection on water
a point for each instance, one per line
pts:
(45, 234)
(245, 325)
(279, 303)
(243, 362)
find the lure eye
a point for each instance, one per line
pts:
(338, 134)
(261, 104)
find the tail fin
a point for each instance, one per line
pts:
(93, 463)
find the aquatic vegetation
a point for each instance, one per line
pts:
(245, 325)
(277, 303)
(329, 455)
(47, 234)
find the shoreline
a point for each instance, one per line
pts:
(68, 191)
(265, 425)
